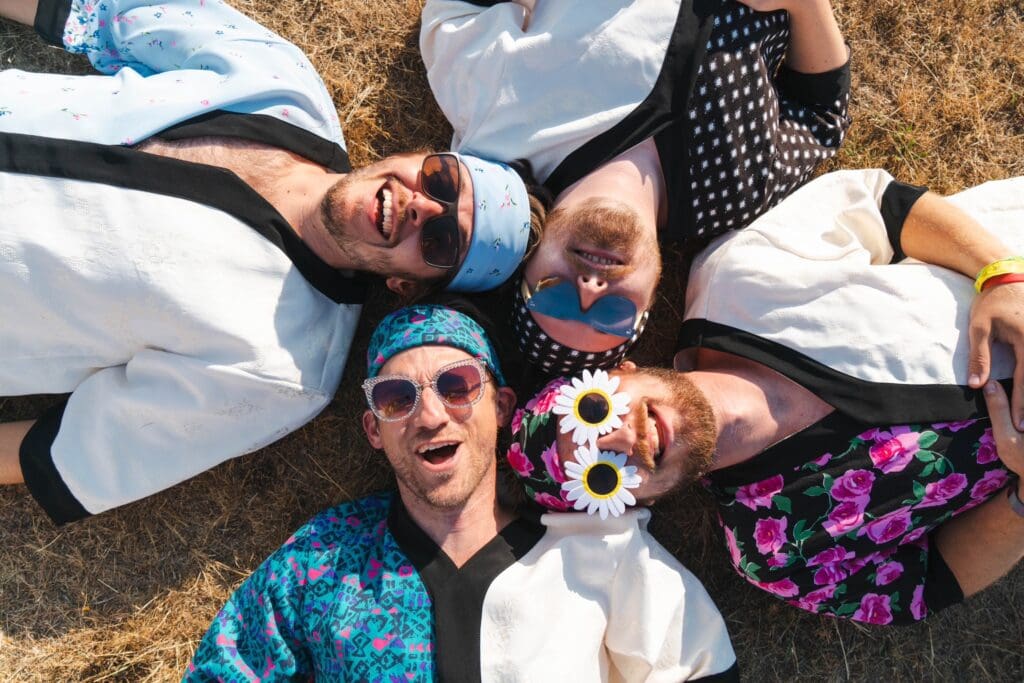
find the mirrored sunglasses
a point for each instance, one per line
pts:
(611, 314)
(440, 240)
(396, 397)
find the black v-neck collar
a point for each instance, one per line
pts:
(208, 185)
(457, 593)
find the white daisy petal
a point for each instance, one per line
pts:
(573, 470)
(625, 498)
(584, 501)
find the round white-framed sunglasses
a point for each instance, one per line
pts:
(396, 397)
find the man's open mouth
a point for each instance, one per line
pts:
(384, 223)
(439, 452)
(598, 258)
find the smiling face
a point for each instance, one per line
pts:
(669, 433)
(602, 247)
(375, 215)
(443, 457)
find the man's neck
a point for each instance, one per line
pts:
(460, 532)
(633, 177)
(754, 406)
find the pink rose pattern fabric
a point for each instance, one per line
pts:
(843, 528)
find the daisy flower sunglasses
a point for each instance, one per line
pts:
(396, 397)
(440, 240)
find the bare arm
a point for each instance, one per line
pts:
(11, 436)
(935, 231)
(22, 11)
(815, 43)
(982, 545)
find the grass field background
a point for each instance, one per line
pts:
(938, 99)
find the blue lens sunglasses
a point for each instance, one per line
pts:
(558, 298)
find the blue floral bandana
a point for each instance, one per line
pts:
(425, 325)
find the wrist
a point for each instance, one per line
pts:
(999, 272)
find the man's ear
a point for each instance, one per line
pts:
(372, 428)
(402, 287)
(627, 365)
(506, 405)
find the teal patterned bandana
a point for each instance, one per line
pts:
(430, 325)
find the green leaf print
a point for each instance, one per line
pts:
(801, 532)
(783, 503)
(815, 491)
(927, 438)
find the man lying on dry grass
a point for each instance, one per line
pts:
(180, 242)
(674, 121)
(443, 581)
(833, 398)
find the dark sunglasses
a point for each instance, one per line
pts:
(395, 397)
(440, 240)
(611, 314)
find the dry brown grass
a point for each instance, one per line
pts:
(938, 99)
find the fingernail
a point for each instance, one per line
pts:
(990, 387)
(974, 380)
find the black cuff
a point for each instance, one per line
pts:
(730, 675)
(941, 589)
(51, 16)
(41, 476)
(897, 200)
(820, 90)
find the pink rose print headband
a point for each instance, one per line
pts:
(596, 481)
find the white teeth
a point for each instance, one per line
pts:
(434, 446)
(593, 258)
(386, 213)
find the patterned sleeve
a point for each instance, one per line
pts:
(845, 525)
(169, 62)
(257, 635)
(813, 120)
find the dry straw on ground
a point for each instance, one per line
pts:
(938, 99)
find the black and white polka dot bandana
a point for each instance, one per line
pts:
(552, 358)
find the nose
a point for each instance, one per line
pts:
(621, 440)
(422, 208)
(591, 288)
(431, 413)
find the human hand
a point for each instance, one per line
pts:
(998, 314)
(1009, 441)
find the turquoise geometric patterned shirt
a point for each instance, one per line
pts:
(339, 601)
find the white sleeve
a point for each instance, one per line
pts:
(664, 625)
(465, 48)
(831, 215)
(129, 431)
(165, 62)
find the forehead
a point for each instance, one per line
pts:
(422, 360)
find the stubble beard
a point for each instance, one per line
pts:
(450, 490)
(696, 431)
(334, 211)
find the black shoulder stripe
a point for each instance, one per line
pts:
(897, 200)
(51, 16)
(815, 90)
(730, 675)
(870, 402)
(208, 185)
(41, 476)
(262, 128)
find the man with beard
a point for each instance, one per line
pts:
(181, 239)
(834, 398)
(445, 582)
(649, 121)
